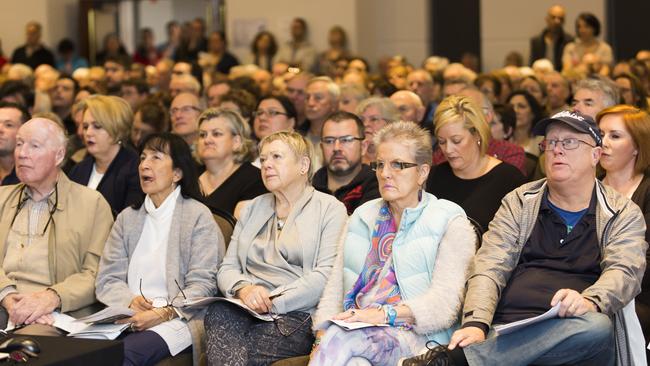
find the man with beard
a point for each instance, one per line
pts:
(343, 175)
(62, 96)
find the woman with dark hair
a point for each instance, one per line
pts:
(273, 114)
(586, 42)
(528, 112)
(175, 234)
(503, 124)
(263, 50)
(632, 90)
(217, 58)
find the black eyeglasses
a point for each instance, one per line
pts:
(162, 302)
(344, 140)
(270, 113)
(567, 144)
(394, 165)
(23, 200)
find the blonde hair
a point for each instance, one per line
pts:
(238, 127)
(298, 144)
(418, 139)
(462, 109)
(112, 113)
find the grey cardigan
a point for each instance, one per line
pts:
(194, 251)
(321, 219)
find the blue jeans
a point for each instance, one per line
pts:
(583, 340)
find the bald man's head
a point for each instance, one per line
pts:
(40, 150)
(409, 105)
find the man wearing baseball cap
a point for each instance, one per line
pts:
(566, 241)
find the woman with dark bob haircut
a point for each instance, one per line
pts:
(173, 233)
(586, 42)
(528, 112)
(263, 50)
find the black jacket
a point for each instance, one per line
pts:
(361, 189)
(538, 48)
(41, 56)
(121, 182)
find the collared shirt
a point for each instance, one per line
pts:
(505, 151)
(361, 189)
(26, 260)
(11, 178)
(552, 259)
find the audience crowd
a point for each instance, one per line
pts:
(427, 204)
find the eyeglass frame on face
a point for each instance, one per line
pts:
(346, 140)
(269, 113)
(550, 144)
(183, 109)
(166, 301)
(395, 165)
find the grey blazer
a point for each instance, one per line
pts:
(321, 219)
(194, 251)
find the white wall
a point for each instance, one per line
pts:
(388, 27)
(155, 15)
(375, 27)
(58, 19)
(277, 16)
(508, 25)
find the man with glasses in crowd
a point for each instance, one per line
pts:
(52, 234)
(184, 113)
(343, 175)
(567, 243)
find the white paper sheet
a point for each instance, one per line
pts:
(514, 326)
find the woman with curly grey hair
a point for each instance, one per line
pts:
(227, 150)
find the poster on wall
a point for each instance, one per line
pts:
(244, 30)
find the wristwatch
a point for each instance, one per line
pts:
(391, 314)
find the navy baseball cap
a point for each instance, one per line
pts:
(576, 120)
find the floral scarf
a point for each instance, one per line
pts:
(380, 251)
